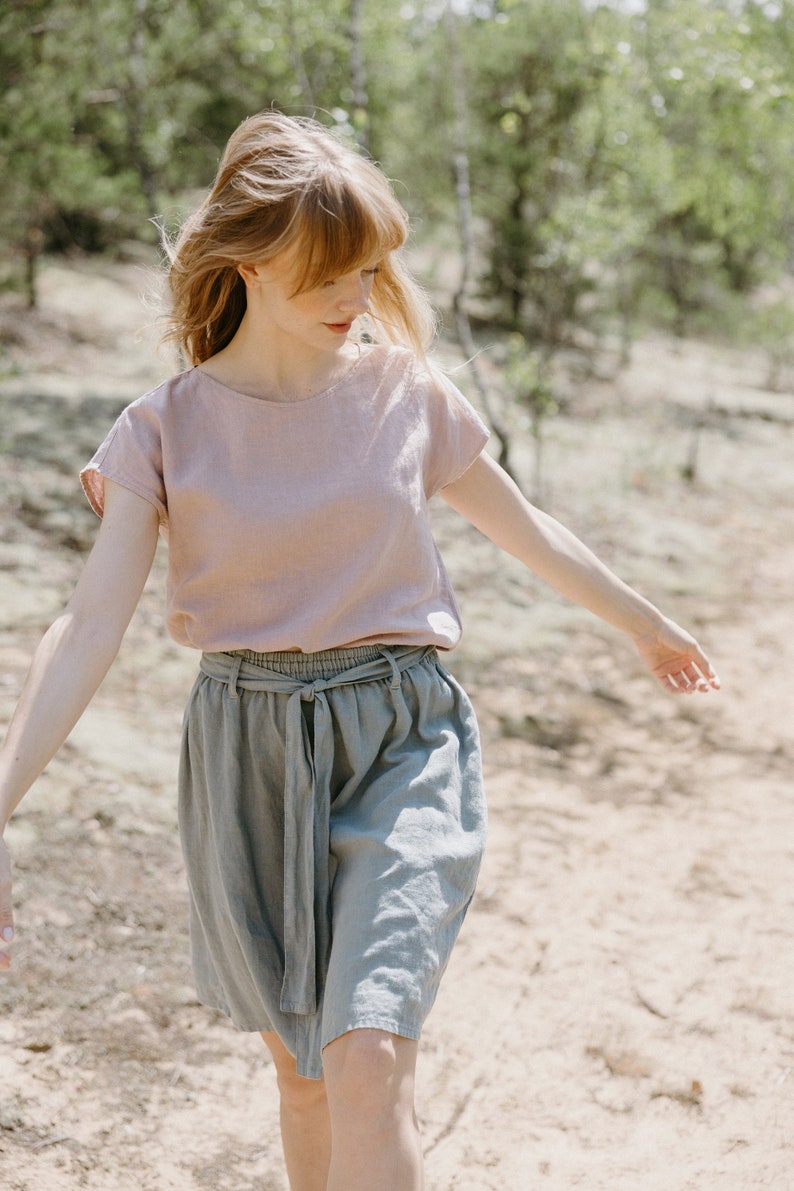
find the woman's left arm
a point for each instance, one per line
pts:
(487, 497)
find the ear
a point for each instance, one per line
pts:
(250, 273)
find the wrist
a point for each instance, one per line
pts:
(649, 623)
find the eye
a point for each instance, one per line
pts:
(332, 281)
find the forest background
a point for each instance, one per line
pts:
(594, 166)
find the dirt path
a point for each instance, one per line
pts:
(619, 1014)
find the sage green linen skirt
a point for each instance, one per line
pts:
(332, 819)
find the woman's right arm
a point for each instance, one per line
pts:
(74, 656)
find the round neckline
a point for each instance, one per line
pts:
(363, 354)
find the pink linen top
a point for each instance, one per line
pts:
(299, 525)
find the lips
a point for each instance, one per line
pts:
(339, 328)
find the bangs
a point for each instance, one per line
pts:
(340, 230)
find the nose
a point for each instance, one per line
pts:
(356, 294)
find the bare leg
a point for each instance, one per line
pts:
(370, 1077)
(305, 1124)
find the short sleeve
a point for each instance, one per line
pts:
(131, 455)
(456, 434)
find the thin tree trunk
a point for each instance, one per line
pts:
(460, 162)
(34, 243)
(296, 55)
(358, 74)
(136, 100)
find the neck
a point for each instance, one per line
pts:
(277, 369)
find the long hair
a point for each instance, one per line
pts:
(286, 181)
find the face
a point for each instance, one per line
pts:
(319, 319)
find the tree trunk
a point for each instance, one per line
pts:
(136, 101)
(358, 75)
(34, 242)
(296, 56)
(460, 162)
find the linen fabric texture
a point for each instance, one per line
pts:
(331, 806)
(333, 820)
(299, 525)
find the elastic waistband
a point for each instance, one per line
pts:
(309, 667)
(308, 673)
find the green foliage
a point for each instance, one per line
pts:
(46, 165)
(528, 153)
(612, 153)
(720, 89)
(527, 377)
(619, 151)
(526, 374)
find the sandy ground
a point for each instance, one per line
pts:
(619, 1012)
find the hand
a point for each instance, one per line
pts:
(676, 659)
(6, 916)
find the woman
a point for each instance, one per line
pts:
(331, 809)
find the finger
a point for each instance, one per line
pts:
(680, 683)
(669, 684)
(712, 678)
(694, 678)
(708, 673)
(690, 680)
(6, 924)
(705, 678)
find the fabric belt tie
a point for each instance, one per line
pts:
(307, 802)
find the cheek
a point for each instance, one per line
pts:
(310, 306)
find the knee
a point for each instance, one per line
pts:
(297, 1094)
(366, 1073)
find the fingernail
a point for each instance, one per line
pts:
(8, 933)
